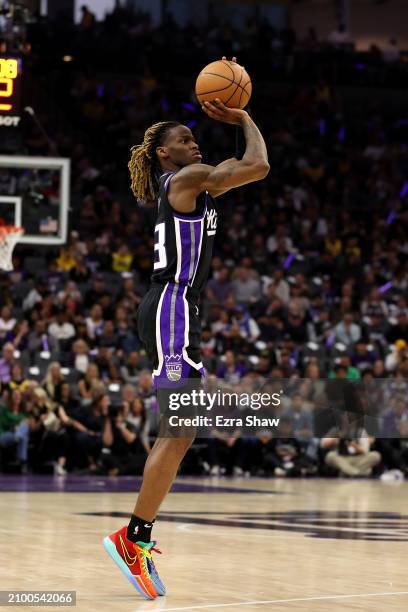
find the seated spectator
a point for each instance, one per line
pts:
(350, 452)
(208, 343)
(246, 289)
(226, 449)
(232, 338)
(396, 355)
(80, 274)
(136, 416)
(14, 427)
(280, 236)
(96, 290)
(106, 362)
(88, 439)
(347, 331)
(399, 326)
(80, 355)
(127, 453)
(286, 363)
(279, 287)
(300, 418)
(52, 440)
(374, 305)
(344, 370)
(17, 379)
(364, 356)
(67, 401)
(121, 321)
(129, 297)
(7, 322)
(95, 322)
(122, 259)
(70, 297)
(145, 392)
(247, 324)
(131, 368)
(6, 363)
(62, 330)
(109, 337)
(53, 381)
(295, 326)
(220, 288)
(393, 443)
(282, 455)
(89, 381)
(19, 335)
(66, 260)
(40, 340)
(376, 329)
(320, 328)
(298, 302)
(220, 322)
(231, 371)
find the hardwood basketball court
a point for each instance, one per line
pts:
(255, 544)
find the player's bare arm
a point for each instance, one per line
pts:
(196, 178)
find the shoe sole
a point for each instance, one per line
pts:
(135, 581)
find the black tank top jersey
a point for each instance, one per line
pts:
(183, 243)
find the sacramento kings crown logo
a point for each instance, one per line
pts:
(173, 367)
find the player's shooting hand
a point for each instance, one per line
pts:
(218, 111)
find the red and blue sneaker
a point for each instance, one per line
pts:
(135, 561)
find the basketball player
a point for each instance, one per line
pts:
(167, 168)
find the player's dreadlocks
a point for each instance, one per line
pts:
(144, 165)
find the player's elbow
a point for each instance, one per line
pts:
(263, 169)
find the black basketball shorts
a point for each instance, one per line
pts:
(169, 327)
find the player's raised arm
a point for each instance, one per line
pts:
(231, 173)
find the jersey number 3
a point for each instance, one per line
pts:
(160, 257)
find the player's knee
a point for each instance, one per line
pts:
(179, 445)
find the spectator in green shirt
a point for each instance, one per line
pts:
(14, 428)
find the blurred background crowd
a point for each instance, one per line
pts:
(310, 273)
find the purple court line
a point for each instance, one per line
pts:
(103, 484)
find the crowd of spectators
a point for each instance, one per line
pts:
(309, 277)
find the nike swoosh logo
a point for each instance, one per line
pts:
(128, 558)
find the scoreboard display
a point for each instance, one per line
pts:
(10, 91)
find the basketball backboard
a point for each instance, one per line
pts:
(34, 194)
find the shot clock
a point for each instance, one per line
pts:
(10, 91)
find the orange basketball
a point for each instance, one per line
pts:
(225, 80)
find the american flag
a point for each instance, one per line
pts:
(48, 225)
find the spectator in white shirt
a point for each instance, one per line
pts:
(280, 234)
(7, 322)
(347, 331)
(61, 329)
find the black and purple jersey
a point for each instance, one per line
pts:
(183, 242)
(168, 320)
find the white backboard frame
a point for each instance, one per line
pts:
(50, 163)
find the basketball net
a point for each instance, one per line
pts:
(9, 236)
